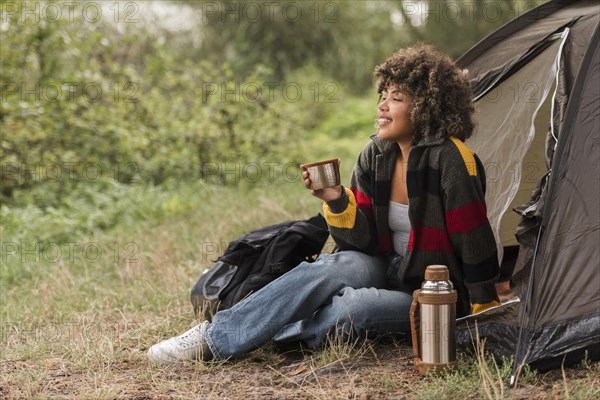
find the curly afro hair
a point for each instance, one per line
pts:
(440, 91)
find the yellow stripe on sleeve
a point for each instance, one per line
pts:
(346, 218)
(467, 155)
(476, 308)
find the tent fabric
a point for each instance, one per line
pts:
(505, 45)
(572, 228)
(505, 129)
(537, 88)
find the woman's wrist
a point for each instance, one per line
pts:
(339, 204)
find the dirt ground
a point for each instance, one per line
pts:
(384, 371)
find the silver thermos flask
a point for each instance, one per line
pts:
(433, 322)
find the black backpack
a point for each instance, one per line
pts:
(254, 260)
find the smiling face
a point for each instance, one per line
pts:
(393, 117)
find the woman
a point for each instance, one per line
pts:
(416, 198)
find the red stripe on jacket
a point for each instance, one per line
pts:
(363, 202)
(430, 239)
(466, 218)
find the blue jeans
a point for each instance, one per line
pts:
(344, 291)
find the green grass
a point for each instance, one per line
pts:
(35, 235)
(79, 327)
(118, 247)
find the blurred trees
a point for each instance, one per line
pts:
(346, 39)
(100, 102)
(455, 26)
(143, 102)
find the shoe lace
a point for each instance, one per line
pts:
(191, 337)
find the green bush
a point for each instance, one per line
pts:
(82, 102)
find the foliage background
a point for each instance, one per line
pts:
(137, 138)
(157, 93)
(118, 114)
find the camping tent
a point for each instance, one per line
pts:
(536, 87)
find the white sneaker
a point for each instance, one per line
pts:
(190, 345)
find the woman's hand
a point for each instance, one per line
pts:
(326, 194)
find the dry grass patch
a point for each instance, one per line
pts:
(80, 330)
(111, 367)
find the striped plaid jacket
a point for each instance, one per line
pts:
(447, 212)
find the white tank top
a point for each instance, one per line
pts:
(400, 226)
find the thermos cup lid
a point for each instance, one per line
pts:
(437, 273)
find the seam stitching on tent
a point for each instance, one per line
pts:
(564, 36)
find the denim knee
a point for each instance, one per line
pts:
(346, 257)
(371, 309)
(362, 267)
(350, 306)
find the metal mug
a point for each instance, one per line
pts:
(323, 174)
